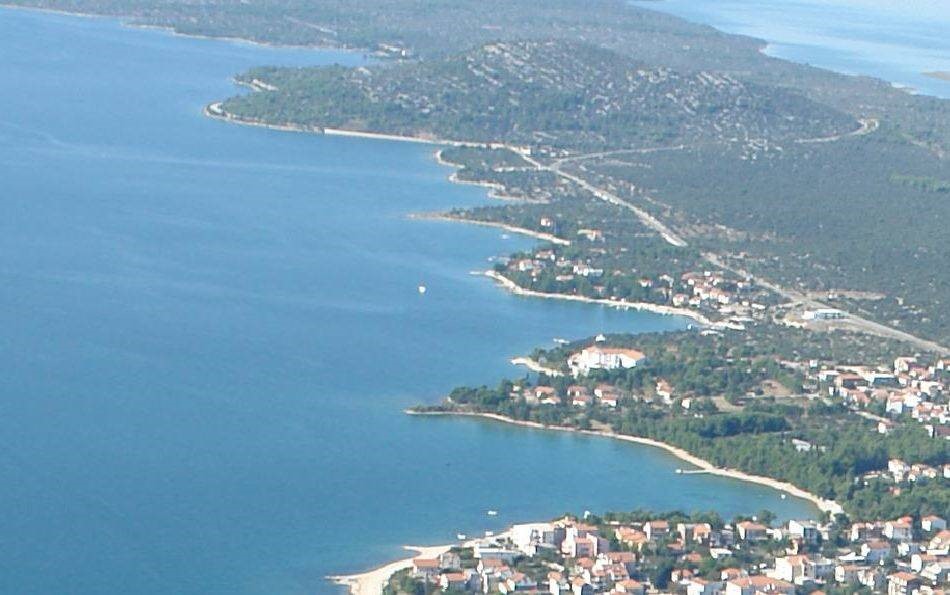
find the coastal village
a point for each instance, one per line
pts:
(601, 272)
(670, 554)
(910, 390)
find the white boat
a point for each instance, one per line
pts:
(561, 341)
(784, 496)
(679, 471)
(422, 289)
(461, 536)
(492, 513)
(489, 533)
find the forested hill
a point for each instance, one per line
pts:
(427, 29)
(554, 93)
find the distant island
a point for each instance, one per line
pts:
(939, 74)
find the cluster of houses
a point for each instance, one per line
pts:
(737, 301)
(598, 357)
(910, 389)
(899, 557)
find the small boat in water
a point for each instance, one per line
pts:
(461, 536)
(422, 289)
(679, 471)
(489, 533)
(492, 513)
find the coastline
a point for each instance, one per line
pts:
(535, 366)
(373, 581)
(513, 229)
(495, 190)
(829, 506)
(642, 306)
(216, 111)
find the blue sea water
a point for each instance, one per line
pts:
(209, 333)
(893, 41)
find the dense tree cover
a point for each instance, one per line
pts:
(823, 217)
(426, 29)
(924, 183)
(757, 439)
(548, 93)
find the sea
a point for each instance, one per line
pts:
(898, 42)
(210, 333)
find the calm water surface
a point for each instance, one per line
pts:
(210, 332)
(893, 41)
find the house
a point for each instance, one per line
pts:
(580, 541)
(751, 531)
(576, 390)
(818, 568)
(902, 583)
(699, 586)
(864, 531)
(605, 358)
(579, 586)
(848, 573)
(517, 581)
(656, 529)
(931, 523)
(425, 567)
(937, 572)
(631, 537)
(557, 584)
(900, 530)
(807, 531)
(483, 551)
(790, 568)
(450, 561)
(631, 587)
(592, 235)
(940, 541)
(455, 581)
(876, 550)
(626, 559)
(581, 401)
(664, 391)
(752, 585)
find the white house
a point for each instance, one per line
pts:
(597, 357)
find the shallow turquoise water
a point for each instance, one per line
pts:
(210, 331)
(893, 41)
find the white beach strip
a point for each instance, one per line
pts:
(373, 581)
(547, 237)
(623, 305)
(535, 366)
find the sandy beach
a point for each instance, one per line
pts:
(829, 506)
(217, 111)
(518, 230)
(535, 366)
(657, 308)
(372, 582)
